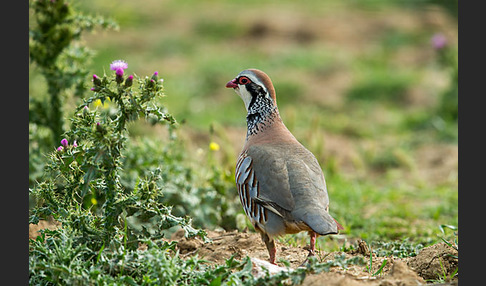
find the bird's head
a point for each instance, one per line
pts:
(253, 86)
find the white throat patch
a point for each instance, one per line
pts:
(244, 94)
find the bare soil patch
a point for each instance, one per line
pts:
(418, 270)
(43, 224)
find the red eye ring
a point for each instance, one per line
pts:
(243, 80)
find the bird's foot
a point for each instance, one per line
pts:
(272, 256)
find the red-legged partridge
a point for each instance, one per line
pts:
(280, 183)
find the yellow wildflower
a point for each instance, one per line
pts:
(213, 146)
(97, 103)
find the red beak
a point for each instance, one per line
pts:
(232, 84)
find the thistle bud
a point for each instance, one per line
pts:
(151, 83)
(85, 110)
(96, 80)
(99, 128)
(129, 81)
(155, 75)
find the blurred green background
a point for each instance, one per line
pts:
(360, 83)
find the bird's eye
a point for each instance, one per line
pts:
(243, 80)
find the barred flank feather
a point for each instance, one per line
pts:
(249, 190)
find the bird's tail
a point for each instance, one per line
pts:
(339, 226)
(322, 223)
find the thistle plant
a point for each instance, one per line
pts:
(58, 59)
(81, 187)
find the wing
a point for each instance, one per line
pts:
(262, 178)
(286, 181)
(252, 195)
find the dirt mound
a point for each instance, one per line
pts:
(436, 260)
(425, 267)
(400, 274)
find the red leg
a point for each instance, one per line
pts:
(273, 253)
(272, 250)
(313, 237)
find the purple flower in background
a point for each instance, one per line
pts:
(75, 144)
(118, 64)
(64, 142)
(59, 149)
(439, 41)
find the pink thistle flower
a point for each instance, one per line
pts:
(59, 149)
(64, 142)
(118, 64)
